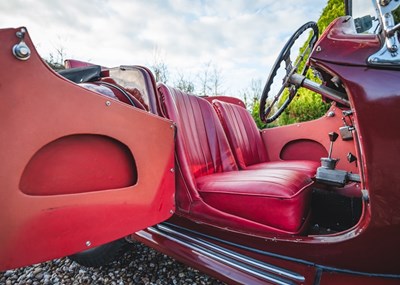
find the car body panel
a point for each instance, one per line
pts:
(308, 140)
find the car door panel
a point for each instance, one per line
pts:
(50, 128)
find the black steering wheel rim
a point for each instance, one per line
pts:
(284, 55)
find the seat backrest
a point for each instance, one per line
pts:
(202, 147)
(243, 134)
(201, 140)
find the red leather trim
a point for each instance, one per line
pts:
(242, 133)
(72, 63)
(227, 99)
(134, 94)
(211, 189)
(206, 214)
(202, 142)
(274, 183)
(303, 149)
(306, 167)
(78, 164)
(277, 198)
(182, 113)
(247, 144)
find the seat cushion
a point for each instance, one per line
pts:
(306, 167)
(278, 198)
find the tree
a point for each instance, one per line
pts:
(255, 93)
(159, 67)
(184, 84)
(204, 78)
(251, 97)
(255, 114)
(210, 80)
(56, 59)
(216, 80)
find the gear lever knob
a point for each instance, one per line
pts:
(333, 136)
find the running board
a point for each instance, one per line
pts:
(251, 266)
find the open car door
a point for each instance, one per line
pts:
(77, 169)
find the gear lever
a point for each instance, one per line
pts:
(329, 162)
(332, 137)
(327, 173)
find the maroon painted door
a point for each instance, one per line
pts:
(77, 169)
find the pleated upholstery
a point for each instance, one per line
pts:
(204, 145)
(210, 186)
(246, 142)
(242, 133)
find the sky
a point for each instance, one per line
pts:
(240, 38)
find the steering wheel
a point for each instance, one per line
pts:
(266, 108)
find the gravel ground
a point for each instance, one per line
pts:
(142, 265)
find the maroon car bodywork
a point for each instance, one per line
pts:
(368, 250)
(47, 120)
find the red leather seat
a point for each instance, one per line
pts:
(246, 142)
(211, 189)
(277, 198)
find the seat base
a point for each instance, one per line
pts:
(307, 167)
(278, 198)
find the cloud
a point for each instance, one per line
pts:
(241, 37)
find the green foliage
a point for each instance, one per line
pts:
(255, 114)
(306, 106)
(333, 10)
(396, 15)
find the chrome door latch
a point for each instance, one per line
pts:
(21, 51)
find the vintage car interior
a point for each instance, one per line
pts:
(300, 179)
(97, 158)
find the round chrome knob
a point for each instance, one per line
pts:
(21, 51)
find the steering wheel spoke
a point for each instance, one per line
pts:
(291, 67)
(288, 65)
